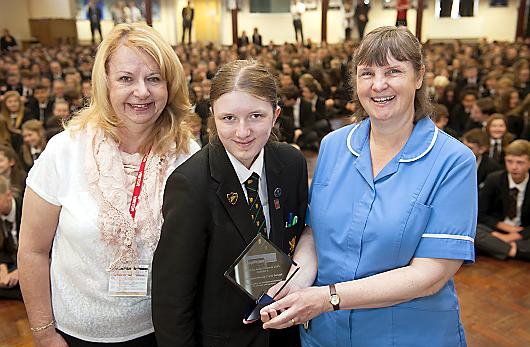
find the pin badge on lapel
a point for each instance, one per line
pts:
(277, 194)
(292, 245)
(232, 198)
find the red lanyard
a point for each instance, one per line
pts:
(138, 186)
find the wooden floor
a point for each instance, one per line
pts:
(495, 300)
(494, 295)
(14, 326)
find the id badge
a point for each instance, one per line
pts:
(129, 281)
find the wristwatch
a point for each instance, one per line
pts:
(334, 298)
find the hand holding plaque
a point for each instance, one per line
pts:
(259, 267)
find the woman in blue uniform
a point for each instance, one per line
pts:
(392, 212)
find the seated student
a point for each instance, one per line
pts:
(34, 142)
(336, 103)
(318, 103)
(497, 131)
(297, 119)
(195, 123)
(489, 87)
(13, 110)
(507, 103)
(11, 169)
(58, 90)
(477, 141)
(54, 124)
(42, 109)
(29, 81)
(480, 113)
(460, 113)
(10, 214)
(322, 126)
(504, 207)
(10, 137)
(440, 117)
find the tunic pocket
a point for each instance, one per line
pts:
(419, 328)
(413, 231)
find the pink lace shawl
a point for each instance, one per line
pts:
(111, 186)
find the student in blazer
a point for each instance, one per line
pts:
(208, 221)
(504, 207)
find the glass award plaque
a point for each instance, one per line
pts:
(261, 265)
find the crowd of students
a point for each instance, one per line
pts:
(480, 90)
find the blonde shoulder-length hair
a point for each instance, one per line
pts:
(170, 128)
(5, 111)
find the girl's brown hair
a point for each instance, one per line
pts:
(248, 76)
(507, 137)
(17, 178)
(35, 126)
(504, 100)
(6, 113)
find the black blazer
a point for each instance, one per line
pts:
(286, 120)
(184, 19)
(320, 108)
(494, 200)
(203, 234)
(256, 39)
(8, 249)
(458, 119)
(286, 124)
(94, 11)
(308, 118)
(486, 166)
(35, 110)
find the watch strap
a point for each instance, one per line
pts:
(332, 294)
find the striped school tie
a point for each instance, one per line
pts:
(255, 207)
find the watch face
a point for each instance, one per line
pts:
(334, 300)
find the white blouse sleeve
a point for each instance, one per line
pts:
(43, 178)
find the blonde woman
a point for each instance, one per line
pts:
(94, 198)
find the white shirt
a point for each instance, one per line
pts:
(243, 174)
(520, 199)
(35, 151)
(26, 91)
(132, 14)
(78, 276)
(493, 143)
(296, 113)
(297, 10)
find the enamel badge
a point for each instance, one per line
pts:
(232, 198)
(292, 245)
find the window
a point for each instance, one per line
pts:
(456, 8)
(269, 6)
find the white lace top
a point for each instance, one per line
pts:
(80, 257)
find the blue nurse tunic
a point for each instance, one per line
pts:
(423, 204)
